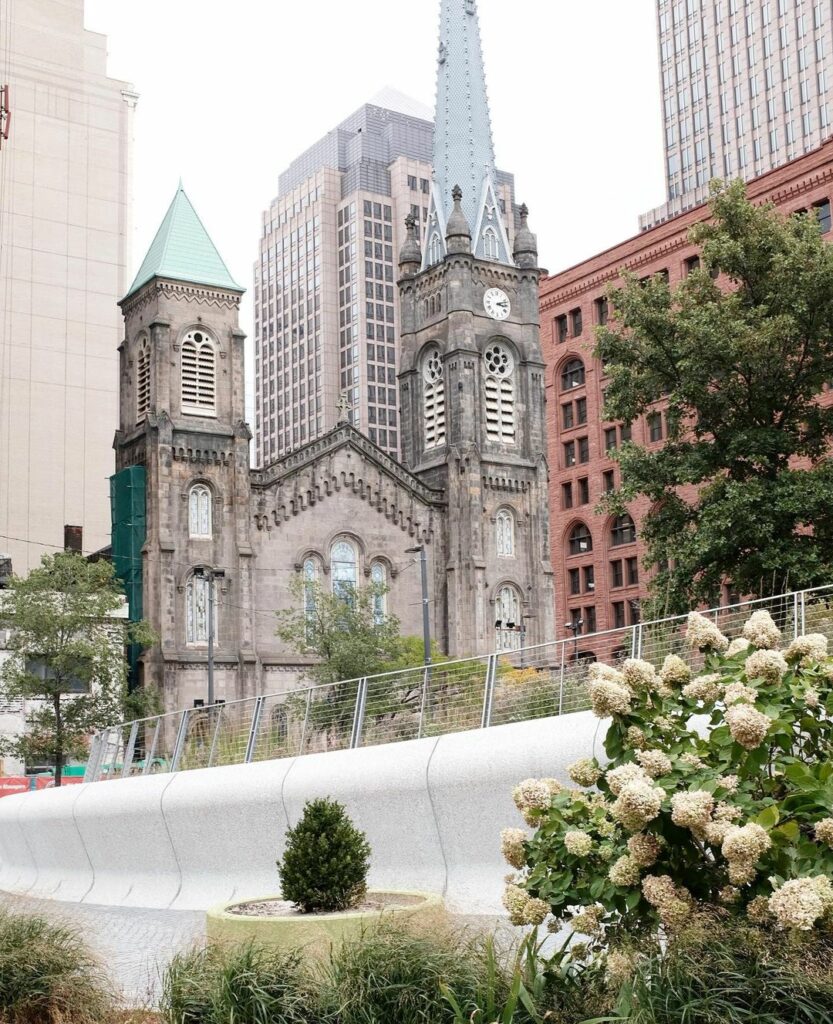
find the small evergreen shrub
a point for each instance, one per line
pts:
(243, 984)
(324, 868)
(47, 975)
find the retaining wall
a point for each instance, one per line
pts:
(432, 810)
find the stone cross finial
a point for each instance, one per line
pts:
(524, 211)
(343, 405)
(410, 222)
(457, 194)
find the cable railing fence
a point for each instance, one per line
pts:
(449, 696)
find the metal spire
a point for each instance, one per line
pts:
(463, 149)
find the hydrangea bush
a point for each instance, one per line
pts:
(717, 793)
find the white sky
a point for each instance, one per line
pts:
(230, 93)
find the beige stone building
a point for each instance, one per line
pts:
(64, 229)
(326, 315)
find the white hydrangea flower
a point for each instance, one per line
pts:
(808, 649)
(618, 777)
(639, 675)
(535, 912)
(635, 737)
(619, 967)
(747, 725)
(736, 646)
(674, 671)
(691, 760)
(769, 665)
(761, 631)
(599, 672)
(610, 698)
(757, 910)
(532, 797)
(703, 688)
(512, 846)
(729, 894)
(624, 872)
(726, 812)
(585, 772)
(730, 783)
(644, 848)
(673, 903)
(746, 843)
(703, 634)
(638, 803)
(716, 831)
(812, 697)
(588, 920)
(578, 843)
(515, 900)
(655, 762)
(824, 832)
(799, 903)
(737, 693)
(692, 810)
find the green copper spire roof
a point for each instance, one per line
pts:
(182, 251)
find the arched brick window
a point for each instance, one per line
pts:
(623, 531)
(572, 375)
(580, 540)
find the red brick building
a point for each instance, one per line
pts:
(599, 576)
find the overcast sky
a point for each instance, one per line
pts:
(230, 93)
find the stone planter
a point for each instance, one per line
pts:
(314, 933)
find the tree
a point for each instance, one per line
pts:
(67, 656)
(742, 488)
(344, 632)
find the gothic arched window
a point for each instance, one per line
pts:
(490, 244)
(196, 610)
(505, 533)
(143, 381)
(310, 581)
(435, 249)
(379, 578)
(199, 375)
(508, 625)
(199, 512)
(581, 540)
(500, 394)
(572, 376)
(623, 531)
(433, 397)
(344, 569)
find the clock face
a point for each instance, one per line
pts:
(496, 303)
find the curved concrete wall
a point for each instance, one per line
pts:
(432, 810)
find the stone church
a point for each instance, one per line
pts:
(472, 487)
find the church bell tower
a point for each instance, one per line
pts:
(472, 370)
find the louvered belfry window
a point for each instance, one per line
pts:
(500, 394)
(433, 397)
(199, 375)
(143, 381)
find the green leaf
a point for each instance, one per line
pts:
(769, 817)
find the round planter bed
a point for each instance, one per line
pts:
(271, 921)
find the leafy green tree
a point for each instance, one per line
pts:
(343, 632)
(742, 488)
(67, 656)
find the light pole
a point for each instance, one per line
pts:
(575, 629)
(426, 618)
(210, 574)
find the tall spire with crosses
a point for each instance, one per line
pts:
(463, 149)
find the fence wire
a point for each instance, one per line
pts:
(451, 696)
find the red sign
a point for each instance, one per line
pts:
(14, 784)
(47, 782)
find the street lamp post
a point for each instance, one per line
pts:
(210, 574)
(426, 617)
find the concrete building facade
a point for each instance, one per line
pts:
(600, 578)
(747, 85)
(64, 229)
(326, 315)
(471, 489)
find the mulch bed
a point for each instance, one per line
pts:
(374, 902)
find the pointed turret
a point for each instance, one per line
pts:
(458, 232)
(463, 148)
(410, 255)
(183, 251)
(526, 244)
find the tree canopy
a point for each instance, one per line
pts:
(67, 659)
(742, 488)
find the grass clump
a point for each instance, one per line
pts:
(325, 865)
(243, 984)
(47, 975)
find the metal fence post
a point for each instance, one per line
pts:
(128, 754)
(426, 675)
(795, 615)
(489, 692)
(306, 721)
(358, 714)
(180, 741)
(250, 745)
(803, 618)
(218, 708)
(150, 754)
(90, 775)
(561, 683)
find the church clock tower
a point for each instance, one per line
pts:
(472, 371)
